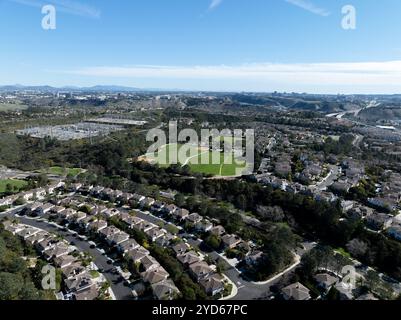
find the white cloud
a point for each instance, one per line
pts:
(66, 6)
(309, 6)
(214, 4)
(336, 76)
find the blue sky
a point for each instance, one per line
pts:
(230, 45)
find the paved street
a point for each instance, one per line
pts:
(121, 291)
(247, 290)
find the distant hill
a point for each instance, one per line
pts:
(99, 88)
(381, 113)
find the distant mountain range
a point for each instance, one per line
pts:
(99, 88)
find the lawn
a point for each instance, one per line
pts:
(95, 274)
(14, 183)
(200, 160)
(64, 171)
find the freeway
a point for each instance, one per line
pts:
(121, 291)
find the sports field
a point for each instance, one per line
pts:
(199, 159)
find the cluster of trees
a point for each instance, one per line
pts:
(17, 281)
(277, 255)
(342, 146)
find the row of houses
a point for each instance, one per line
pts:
(39, 193)
(78, 281)
(151, 272)
(212, 282)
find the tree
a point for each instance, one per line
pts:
(372, 280)
(179, 199)
(213, 241)
(275, 214)
(9, 188)
(357, 247)
(10, 286)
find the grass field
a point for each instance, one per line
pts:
(14, 183)
(63, 171)
(12, 107)
(200, 160)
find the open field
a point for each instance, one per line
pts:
(199, 159)
(14, 183)
(63, 171)
(12, 107)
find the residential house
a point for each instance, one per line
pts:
(38, 237)
(79, 283)
(64, 261)
(180, 248)
(395, 232)
(180, 214)
(253, 258)
(118, 238)
(379, 221)
(325, 281)
(79, 216)
(344, 292)
(155, 275)
(85, 222)
(149, 263)
(146, 202)
(200, 270)
(133, 222)
(230, 241)
(170, 209)
(12, 227)
(296, 291)
(188, 258)
(213, 285)
(145, 226)
(27, 195)
(67, 213)
(27, 232)
(128, 245)
(218, 231)
(98, 225)
(155, 233)
(88, 294)
(157, 206)
(125, 197)
(194, 218)
(204, 226)
(383, 203)
(136, 255)
(109, 213)
(57, 250)
(73, 270)
(165, 290)
(47, 207)
(46, 244)
(57, 210)
(95, 191)
(137, 198)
